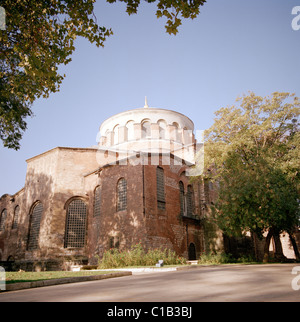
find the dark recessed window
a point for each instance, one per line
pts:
(182, 198)
(160, 188)
(34, 226)
(76, 224)
(121, 195)
(16, 218)
(3, 219)
(97, 201)
(190, 201)
(114, 242)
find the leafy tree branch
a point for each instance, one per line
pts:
(40, 36)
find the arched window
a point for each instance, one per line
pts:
(190, 201)
(76, 224)
(162, 129)
(3, 219)
(16, 218)
(121, 195)
(34, 226)
(160, 188)
(146, 129)
(176, 131)
(130, 130)
(97, 201)
(116, 134)
(181, 196)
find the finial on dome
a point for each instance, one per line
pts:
(146, 103)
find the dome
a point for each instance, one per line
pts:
(145, 129)
(154, 115)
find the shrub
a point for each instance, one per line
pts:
(136, 256)
(216, 258)
(223, 258)
(246, 259)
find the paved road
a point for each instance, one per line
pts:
(210, 283)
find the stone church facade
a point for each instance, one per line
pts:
(133, 187)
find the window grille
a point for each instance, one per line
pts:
(190, 203)
(3, 219)
(121, 195)
(97, 201)
(160, 188)
(76, 224)
(34, 228)
(181, 196)
(16, 218)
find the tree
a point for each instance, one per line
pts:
(254, 151)
(39, 36)
(172, 10)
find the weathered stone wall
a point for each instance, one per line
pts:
(58, 176)
(142, 221)
(166, 227)
(127, 226)
(52, 178)
(11, 245)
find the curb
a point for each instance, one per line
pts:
(152, 269)
(65, 280)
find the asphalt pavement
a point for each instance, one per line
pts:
(225, 283)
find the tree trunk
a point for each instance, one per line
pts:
(278, 247)
(253, 238)
(295, 247)
(267, 245)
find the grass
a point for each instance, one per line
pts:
(136, 256)
(17, 277)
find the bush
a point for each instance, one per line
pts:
(223, 258)
(246, 259)
(136, 256)
(216, 258)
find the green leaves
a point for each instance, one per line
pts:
(173, 9)
(254, 150)
(169, 9)
(39, 36)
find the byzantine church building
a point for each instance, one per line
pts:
(133, 187)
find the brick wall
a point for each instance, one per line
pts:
(58, 176)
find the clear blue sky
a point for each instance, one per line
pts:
(233, 47)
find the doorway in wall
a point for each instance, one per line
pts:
(192, 252)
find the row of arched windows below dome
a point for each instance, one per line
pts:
(76, 212)
(147, 130)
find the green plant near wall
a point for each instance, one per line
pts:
(137, 256)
